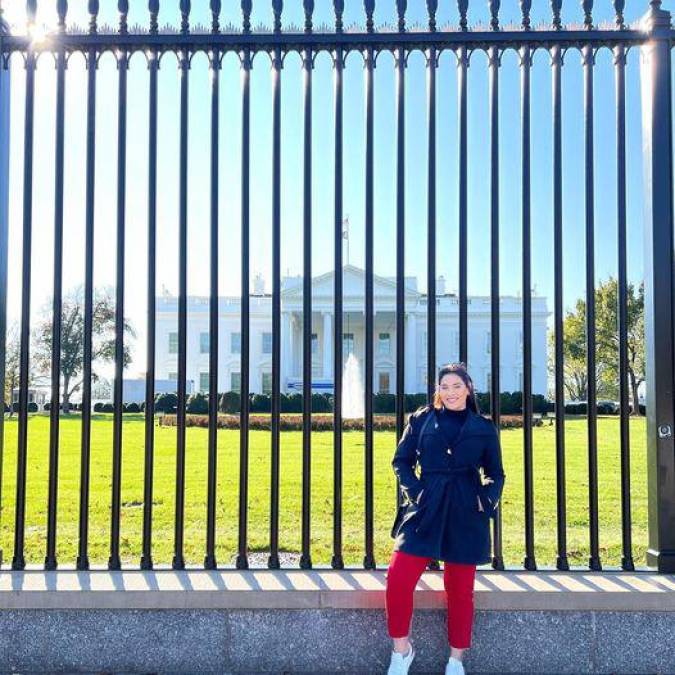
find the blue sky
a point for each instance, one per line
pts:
(354, 153)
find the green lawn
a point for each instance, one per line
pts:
(291, 492)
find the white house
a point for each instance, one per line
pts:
(384, 331)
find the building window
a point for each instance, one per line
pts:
(315, 343)
(347, 344)
(235, 343)
(173, 343)
(488, 341)
(173, 376)
(384, 382)
(267, 343)
(235, 381)
(267, 383)
(203, 381)
(203, 343)
(384, 344)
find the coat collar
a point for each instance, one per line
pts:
(473, 424)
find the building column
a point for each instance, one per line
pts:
(327, 344)
(286, 365)
(410, 342)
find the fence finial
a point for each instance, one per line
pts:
(432, 8)
(31, 11)
(339, 7)
(62, 11)
(369, 7)
(277, 9)
(401, 6)
(556, 8)
(246, 7)
(494, 14)
(588, 13)
(185, 7)
(463, 7)
(123, 9)
(153, 8)
(618, 10)
(525, 7)
(92, 8)
(215, 6)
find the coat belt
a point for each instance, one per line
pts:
(438, 501)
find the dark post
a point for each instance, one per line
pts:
(658, 218)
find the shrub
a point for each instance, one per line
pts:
(166, 402)
(197, 404)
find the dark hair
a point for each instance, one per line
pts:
(458, 369)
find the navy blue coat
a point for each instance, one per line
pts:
(442, 517)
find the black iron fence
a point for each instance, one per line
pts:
(654, 38)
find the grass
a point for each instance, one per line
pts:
(291, 492)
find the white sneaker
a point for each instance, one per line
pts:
(399, 663)
(454, 667)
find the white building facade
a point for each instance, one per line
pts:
(384, 334)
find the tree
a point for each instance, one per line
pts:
(72, 338)
(12, 364)
(606, 344)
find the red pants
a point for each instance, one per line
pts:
(402, 576)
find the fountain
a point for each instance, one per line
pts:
(352, 389)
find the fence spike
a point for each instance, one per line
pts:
(185, 7)
(588, 13)
(62, 11)
(92, 8)
(556, 8)
(525, 7)
(277, 9)
(153, 8)
(432, 8)
(339, 8)
(401, 6)
(619, 6)
(369, 6)
(123, 9)
(463, 7)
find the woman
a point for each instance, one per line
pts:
(448, 511)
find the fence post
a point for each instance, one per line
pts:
(4, 231)
(655, 73)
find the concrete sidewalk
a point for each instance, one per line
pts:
(325, 621)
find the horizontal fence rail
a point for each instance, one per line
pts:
(654, 35)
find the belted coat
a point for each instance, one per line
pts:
(448, 508)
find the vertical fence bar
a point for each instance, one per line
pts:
(210, 562)
(178, 561)
(153, 66)
(561, 519)
(307, 64)
(431, 222)
(463, 64)
(54, 407)
(620, 83)
(337, 561)
(273, 561)
(85, 452)
(657, 148)
(588, 62)
(18, 560)
(4, 240)
(495, 385)
(369, 558)
(525, 66)
(400, 254)
(114, 562)
(242, 557)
